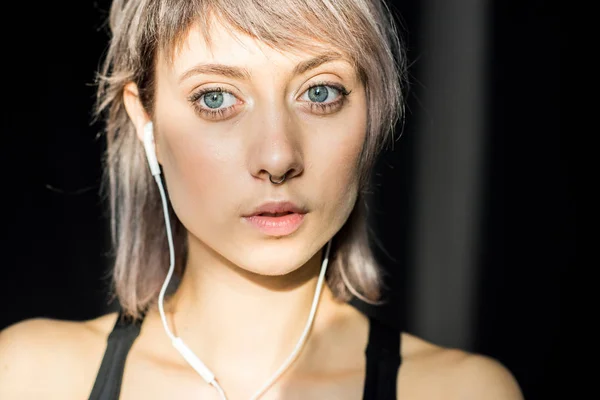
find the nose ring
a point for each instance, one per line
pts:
(280, 181)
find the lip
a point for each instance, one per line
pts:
(276, 225)
(274, 207)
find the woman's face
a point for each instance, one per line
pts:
(227, 117)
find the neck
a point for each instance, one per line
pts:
(243, 325)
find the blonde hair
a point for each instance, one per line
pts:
(362, 30)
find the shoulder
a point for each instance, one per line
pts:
(51, 353)
(431, 371)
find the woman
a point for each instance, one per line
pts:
(262, 118)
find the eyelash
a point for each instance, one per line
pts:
(220, 113)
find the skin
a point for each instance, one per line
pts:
(238, 279)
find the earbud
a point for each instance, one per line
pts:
(150, 148)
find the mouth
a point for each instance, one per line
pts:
(277, 219)
(274, 215)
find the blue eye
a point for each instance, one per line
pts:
(217, 104)
(324, 93)
(213, 103)
(318, 93)
(215, 99)
(325, 98)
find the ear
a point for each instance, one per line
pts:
(138, 116)
(135, 109)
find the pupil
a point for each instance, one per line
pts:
(318, 94)
(213, 99)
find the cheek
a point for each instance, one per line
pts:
(198, 171)
(196, 163)
(341, 176)
(335, 164)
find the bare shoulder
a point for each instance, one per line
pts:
(431, 371)
(50, 358)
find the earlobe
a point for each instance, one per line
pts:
(135, 109)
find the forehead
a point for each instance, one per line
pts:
(220, 43)
(226, 46)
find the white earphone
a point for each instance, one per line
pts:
(177, 342)
(150, 148)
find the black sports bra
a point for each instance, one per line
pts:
(382, 360)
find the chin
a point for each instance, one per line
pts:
(276, 257)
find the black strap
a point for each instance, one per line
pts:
(110, 374)
(382, 358)
(383, 361)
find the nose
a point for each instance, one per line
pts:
(275, 153)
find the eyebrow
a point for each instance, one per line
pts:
(314, 62)
(244, 74)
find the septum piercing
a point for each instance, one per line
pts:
(277, 182)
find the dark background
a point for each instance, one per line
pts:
(56, 240)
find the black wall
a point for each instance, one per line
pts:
(55, 241)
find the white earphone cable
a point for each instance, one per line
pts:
(177, 342)
(304, 335)
(161, 295)
(187, 353)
